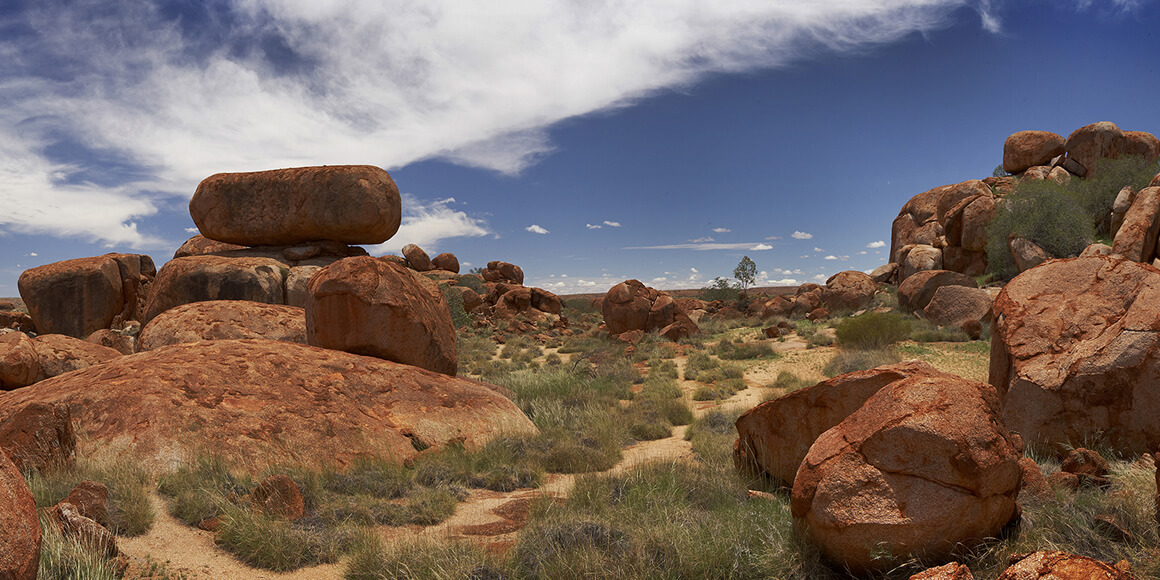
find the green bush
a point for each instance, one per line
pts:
(729, 350)
(789, 382)
(872, 330)
(459, 316)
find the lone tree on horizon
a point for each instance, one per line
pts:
(745, 272)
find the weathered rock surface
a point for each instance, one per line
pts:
(355, 204)
(118, 341)
(368, 306)
(921, 258)
(951, 571)
(916, 292)
(849, 290)
(78, 297)
(59, 354)
(222, 320)
(19, 362)
(775, 436)
(20, 542)
(631, 305)
(1091, 143)
(279, 496)
(498, 271)
(953, 305)
(1074, 354)
(446, 262)
(199, 244)
(91, 500)
(1027, 149)
(417, 258)
(939, 219)
(37, 436)
(260, 401)
(296, 282)
(216, 277)
(83, 530)
(1051, 565)
(1136, 238)
(1027, 254)
(923, 468)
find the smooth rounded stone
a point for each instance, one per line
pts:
(20, 541)
(417, 258)
(1096, 379)
(279, 496)
(849, 290)
(91, 499)
(215, 277)
(78, 297)
(924, 468)
(19, 362)
(355, 204)
(369, 306)
(631, 306)
(1027, 149)
(266, 402)
(976, 217)
(446, 262)
(223, 320)
(916, 292)
(1090, 143)
(199, 244)
(1136, 237)
(1142, 144)
(921, 258)
(884, 274)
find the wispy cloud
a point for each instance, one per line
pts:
(242, 85)
(801, 236)
(702, 240)
(426, 224)
(535, 229)
(721, 230)
(612, 224)
(878, 244)
(593, 227)
(756, 247)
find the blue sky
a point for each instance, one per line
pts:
(588, 142)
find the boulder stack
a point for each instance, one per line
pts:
(631, 306)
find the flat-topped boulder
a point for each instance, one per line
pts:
(355, 204)
(78, 297)
(1074, 354)
(223, 320)
(262, 402)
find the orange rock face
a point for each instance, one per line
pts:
(1136, 237)
(1060, 566)
(417, 258)
(20, 541)
(849, 290)
(78, 297)
(924, 467)
(631, 305)
(60, 354)
(37, 436)
(19, 363)
(916, 292)
(1027, 149)
(1073, 354)
(262, 401)
(199, 244)
(952, 305)
(446, 262)
(355, 204)
(213, 277)
(368, 306)
(224, 319)
(775, 436)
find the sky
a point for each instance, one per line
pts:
(587, 141)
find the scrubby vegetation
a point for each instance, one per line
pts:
(872, 331)
(130, 513)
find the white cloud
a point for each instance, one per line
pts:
(831, 257)
(612, 224)
(592, 227)
(702, 240)
(818, 250)
(702, 246)
(427, 224)
(878, 244)
(279, 83)
(33, 254)
(721, 230)
(773, 238)
(191, 230)
(863, 253)
(785, 282)
(821, 277)
(801, 236)
(535, 229)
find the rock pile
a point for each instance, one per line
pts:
(631, 308)
(945, 228)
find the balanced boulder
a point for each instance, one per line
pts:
(1027, 149)
(264, 401)
(224, 319)
(417, 258)
(354, 204)
(1074, 354)
(922, 469)
(369, 306)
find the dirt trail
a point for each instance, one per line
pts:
(491, 517)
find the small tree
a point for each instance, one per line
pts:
(745, 273)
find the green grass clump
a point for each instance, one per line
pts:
(130, 513)
(68, 558)
(848, 361)
(422, 559)
(872, 330)
(789, 382)
(661, 367)
(722, 390)
(728, 350)
(926, 331)
(276, 544)
(697, 364)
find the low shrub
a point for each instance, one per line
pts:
(698, 363)
(728, 350)
(926, 331)
(872, 330)
(848, 361)
(789, 382)
(130, 512)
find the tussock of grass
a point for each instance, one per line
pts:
(276, 544)
(789, 382)
(925, 331)
(68, 559)
(721, 390)
(848, 361)
(872, 330)
(130, 513)
(422, 559)
(662, 368)
(697, 364)
(729, 350)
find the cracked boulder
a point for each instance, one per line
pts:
(224, 319)
(1053, 565)
(631, 305)
(922, 469)
(257, 401)
(1074, 354)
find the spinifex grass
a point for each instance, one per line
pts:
(130, 513)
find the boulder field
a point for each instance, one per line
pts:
(262, 402)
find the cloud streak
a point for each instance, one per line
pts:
(704, 246)
(191, 89)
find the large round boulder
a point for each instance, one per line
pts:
(222, 320)
(775, 436)
(355, 204)
(849, 290)
(446, 262)
(20, 541)
(1074, 354)
(368, 306)
(417, 258)
(1027, 149)
(19, 361)
(78, 297)
(263, 402)
(213, 277)
(952, 305)
(922, 469)
(1090, 143)
(916, 291)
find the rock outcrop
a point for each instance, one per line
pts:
(372, 307)
(222, 320)
(38, 436)
(20, 541)
(922, 469)
(78, 297)
(1055, 565)
(849, 290)
(1074, 354)
(353, 204)
(264, 401)
(935, 221)
(498, 271)
(631, 306)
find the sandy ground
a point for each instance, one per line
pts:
(495, 518)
